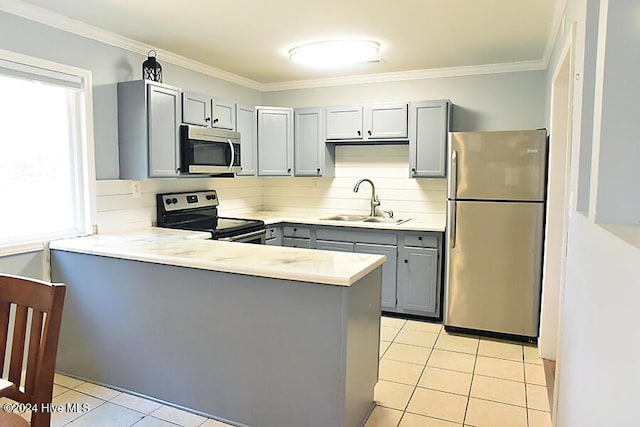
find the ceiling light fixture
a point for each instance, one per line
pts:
(335, 53)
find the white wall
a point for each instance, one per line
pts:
(386, 165)
(597, 375)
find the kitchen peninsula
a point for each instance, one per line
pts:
(230, 330)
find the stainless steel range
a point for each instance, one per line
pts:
(198, 211)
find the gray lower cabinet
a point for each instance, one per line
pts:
(275, 141)
(325, 245)
(295, 236)
(389, 284)
(419, 274)
(148, 130)
(273, 236)
(428, 130)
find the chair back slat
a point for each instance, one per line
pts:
(17, 346)
(33, 352)
(5, 309)
(45, 301)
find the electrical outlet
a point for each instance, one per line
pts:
(135, 188)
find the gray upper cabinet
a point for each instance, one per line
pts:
(224, 114)
(275, 141)
(148, 130)
(367, 123)
(246, 125)
(385, 121)
(196, 109)
(312, 156)
(428, 128)
(344, 122)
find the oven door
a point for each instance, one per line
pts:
(255, 237)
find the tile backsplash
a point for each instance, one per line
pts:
(386, 165)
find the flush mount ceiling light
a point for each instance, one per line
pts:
(335, 53)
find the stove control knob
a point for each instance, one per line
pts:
(168, 201)
(174, 200)
(209, 197)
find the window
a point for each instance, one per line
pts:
(46, 155)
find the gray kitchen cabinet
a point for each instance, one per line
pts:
(326, 245)
(312, 156)
(224, 114)
(246, 125)
(385, 121)
(273, 235)
(295, 236)
(419, 275)
(389, 296)
(275, 141)
(196, 109)
(344, 122)
(148, 130)
(428, 125)
(367, 123)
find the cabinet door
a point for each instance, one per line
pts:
(344, 122)
(164, 121)
(418, 279)
(386, 121)
(224, 115)
(327, 245)
(246, 125)
(389, 297)
(295, 242)
(308, 142)
(196, 109)
(275, 141)
(428, 139)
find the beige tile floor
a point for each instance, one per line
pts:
(429, 377)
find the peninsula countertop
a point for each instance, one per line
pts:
(193, 250)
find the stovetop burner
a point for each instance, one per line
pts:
(198, 211)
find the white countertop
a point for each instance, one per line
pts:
(435, 222)
(191, 249)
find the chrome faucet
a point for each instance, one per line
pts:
(374, 199)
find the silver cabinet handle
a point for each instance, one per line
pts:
(233, 154)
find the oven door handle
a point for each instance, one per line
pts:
(243, 236)
(233, 155)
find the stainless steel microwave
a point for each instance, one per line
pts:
(209, 151)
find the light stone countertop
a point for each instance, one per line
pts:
(432, 222)
(193, 249)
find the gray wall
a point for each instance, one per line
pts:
(108, 65)
(482, 102)
(29, 265)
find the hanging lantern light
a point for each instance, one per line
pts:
(151, 69)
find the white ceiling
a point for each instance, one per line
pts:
(251, 38)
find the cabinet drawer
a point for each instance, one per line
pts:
(295, 242)
(326, 245)
(295, 231)
(350, 235)
(421, 240)
(272, 233)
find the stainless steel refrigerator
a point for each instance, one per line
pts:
(495, 228)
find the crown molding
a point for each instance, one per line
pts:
(554, 30)
(509, 67)
(61, 22)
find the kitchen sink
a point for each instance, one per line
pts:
(345, 218)
(386, 220)
(364, 218)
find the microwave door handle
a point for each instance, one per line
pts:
(233, 154)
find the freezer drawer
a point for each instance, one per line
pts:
(504, 165)
(493, 275)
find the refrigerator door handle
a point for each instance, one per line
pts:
(454, 175)
(452, 223)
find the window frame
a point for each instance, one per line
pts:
(84, 155)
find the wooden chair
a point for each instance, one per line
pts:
(44, 301)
